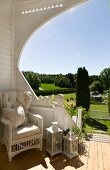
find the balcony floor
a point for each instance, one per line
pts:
(93, 156)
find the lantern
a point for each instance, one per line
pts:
(70, 145)
(54, 139)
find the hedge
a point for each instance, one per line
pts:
(55, 91)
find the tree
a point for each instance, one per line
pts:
(96, 86)
(33, 79)
(62, 81)
(71, 77)
(82, 89)
(93, 78)
(46, 78)
(105, 78)
(109, 101)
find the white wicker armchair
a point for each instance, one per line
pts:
(28, 135)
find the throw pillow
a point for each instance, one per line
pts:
(16, 116)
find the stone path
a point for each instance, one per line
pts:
(98, 137)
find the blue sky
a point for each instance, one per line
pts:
(78, 37)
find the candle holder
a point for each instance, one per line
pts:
(54, 139)
(70, 145)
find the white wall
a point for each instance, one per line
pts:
(6, 65)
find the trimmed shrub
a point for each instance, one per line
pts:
(56, 91)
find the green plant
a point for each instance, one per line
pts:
(70, 106)
(77, 132)
(85, 116)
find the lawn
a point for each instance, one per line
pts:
(103, 108)
(95, 124)
(69, 96)
(99, 114)
(99, 111)
(49, 87)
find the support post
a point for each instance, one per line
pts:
(79, 120)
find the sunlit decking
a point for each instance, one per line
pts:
(92, 156)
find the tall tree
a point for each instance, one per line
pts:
(105, 78)
(82, 89)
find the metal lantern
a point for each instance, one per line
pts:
(70, 145)
(54, 139)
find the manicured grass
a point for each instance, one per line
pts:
(103, 108)
(69, 96)
(99, 111)
(95, 124)
(49, 87)
(99, 114)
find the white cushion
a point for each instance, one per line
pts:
(16, 116)
(25, 131)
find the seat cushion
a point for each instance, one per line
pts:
(25, 131)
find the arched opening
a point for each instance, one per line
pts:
(84, 41)
(78, 37)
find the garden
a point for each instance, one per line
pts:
(80, 90)
(98, 117)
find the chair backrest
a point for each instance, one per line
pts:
(10, 99)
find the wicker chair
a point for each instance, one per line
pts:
(28, 134)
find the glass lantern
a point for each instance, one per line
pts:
(70, 145)
(54, 139)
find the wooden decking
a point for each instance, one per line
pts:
(93, 156)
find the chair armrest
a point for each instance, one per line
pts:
(36, 119)
(6, 122)
(7, 128)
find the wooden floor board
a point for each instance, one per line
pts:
(85, 155)
(99, 156)
(92, 156)
(106, 156)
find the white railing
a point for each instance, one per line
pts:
(55, 111)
